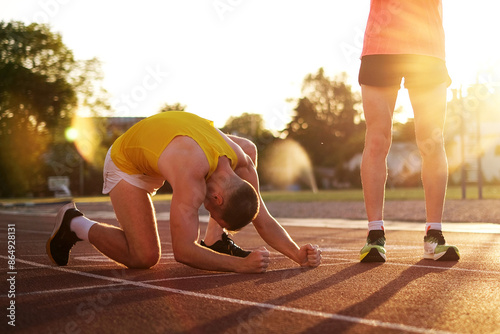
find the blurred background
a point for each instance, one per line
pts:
(74, 75)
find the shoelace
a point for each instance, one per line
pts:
(378, 239)
(437, 236)
(230, 243)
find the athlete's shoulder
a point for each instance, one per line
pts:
(183, 155)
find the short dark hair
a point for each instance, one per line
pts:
(241, 207)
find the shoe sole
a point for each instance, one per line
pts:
(59, 220)
(449, 255)
(373, 256)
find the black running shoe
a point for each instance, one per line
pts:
(374, 249)
(435, 247)
(227, 246)
(63, 239)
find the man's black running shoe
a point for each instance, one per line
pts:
(227, 246)
(63, 239)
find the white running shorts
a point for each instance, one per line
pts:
(112, 175)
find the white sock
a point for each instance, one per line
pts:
(376, 225)
(433, 226)
(81, 226)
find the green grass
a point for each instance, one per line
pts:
(454, 192)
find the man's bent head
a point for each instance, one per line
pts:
(241, 205)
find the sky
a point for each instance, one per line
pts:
(222, 58)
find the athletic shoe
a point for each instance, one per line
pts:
(435, 247)
(63, 239)
(374, 250)
(227, 246)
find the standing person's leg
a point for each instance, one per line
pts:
(378, 107)
(429, 106)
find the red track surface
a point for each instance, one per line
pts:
(404, 295)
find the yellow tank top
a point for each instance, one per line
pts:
(137, 151)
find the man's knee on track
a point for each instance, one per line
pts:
(144, 260)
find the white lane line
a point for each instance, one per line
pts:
(168, 257)
(28, 231)
(229, 274)
(324, 315)
(104, 286)
(390, 225)
(45, 254)
(422, 266)
(88, 287)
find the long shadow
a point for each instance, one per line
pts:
(377, 299)
(81, 308)
(279, 275)
(251, 318)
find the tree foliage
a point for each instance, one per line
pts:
(327, 120)
(404, 132)
(172, 107)
(250, 126)
(42, 85)
(34, 66)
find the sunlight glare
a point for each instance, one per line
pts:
(84, 134)
(287, 163)
(403, 101)
(71, 134)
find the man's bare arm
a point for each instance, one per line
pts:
(187, 177)
(184, 230)
(271, 231)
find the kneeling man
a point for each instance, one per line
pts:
(203, 166)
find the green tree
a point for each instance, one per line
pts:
(327, 121)
(247, 125)
(173, 107)
(42, 85)
(250, 126)
(404, 132)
